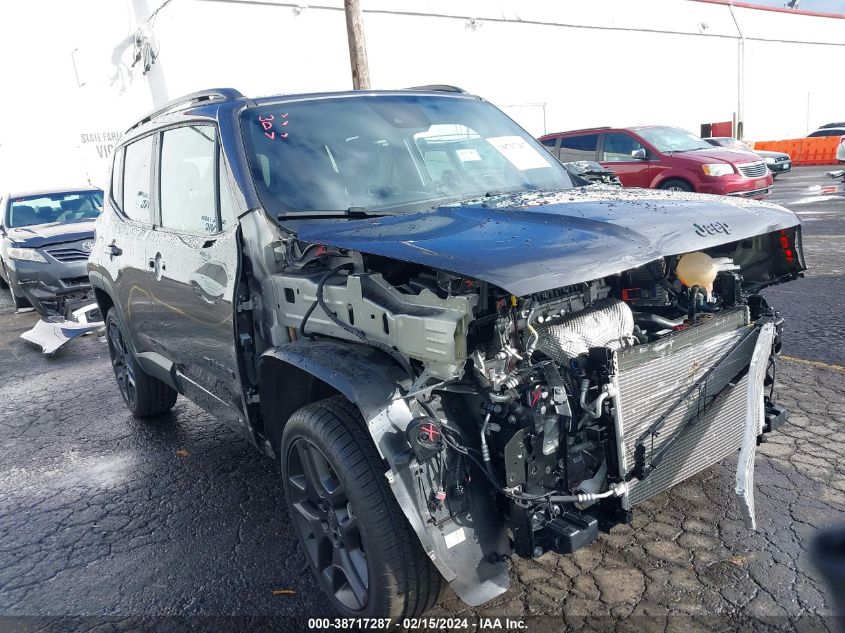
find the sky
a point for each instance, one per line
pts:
(830, 6)
(61, 65)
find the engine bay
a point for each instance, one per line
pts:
(517, 394)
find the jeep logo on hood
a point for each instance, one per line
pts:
(712, 228)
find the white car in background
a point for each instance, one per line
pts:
(833, 129)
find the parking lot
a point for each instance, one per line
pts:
(105, 515)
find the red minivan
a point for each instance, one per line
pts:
(662, 157)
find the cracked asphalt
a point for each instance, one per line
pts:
(104, 515)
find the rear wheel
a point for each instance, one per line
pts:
(356, 539)
(142, 394)
(676, 184)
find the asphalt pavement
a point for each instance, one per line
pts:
(112, 519)
(814, 306)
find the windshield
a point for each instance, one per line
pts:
(390, 152)
(47, 208)
(672, 139)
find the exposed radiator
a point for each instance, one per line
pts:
(653, 382)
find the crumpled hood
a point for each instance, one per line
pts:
(38, 235)
(528, 243)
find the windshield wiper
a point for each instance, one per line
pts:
(314, 214)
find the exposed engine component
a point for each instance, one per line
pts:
(607, 323)
(523, 393)
(646, 286)
(425, 435)
(699, 269)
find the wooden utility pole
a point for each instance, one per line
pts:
(357, 47)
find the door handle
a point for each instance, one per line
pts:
(114, 250)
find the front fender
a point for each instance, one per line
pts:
(466, 549)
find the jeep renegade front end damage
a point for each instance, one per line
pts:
(454, 352)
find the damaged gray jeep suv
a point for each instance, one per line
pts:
(455, 351)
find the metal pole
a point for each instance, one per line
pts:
(357, 47)
(740, 97)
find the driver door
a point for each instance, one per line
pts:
(617, 154)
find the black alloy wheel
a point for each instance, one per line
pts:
(327, 521)
(361, 548)
(142, 394)
(121, 362)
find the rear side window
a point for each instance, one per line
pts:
(828, 132)
(187, 179)
(618, 147)
(117, 178)
(582, 147)
(136, 179)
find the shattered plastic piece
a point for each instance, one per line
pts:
(754, 421)
(51, 334)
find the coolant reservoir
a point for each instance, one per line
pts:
(698, 269)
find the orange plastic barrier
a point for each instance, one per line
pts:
(820, 150)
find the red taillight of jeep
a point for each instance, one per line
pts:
(786, 246)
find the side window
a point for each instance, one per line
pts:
(818, 133)
(581, 147)
(117, 178)
(227, 196)
(549, 144)
(187, 179)
(618, 147)
(136, 179)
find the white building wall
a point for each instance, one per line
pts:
(553, 65)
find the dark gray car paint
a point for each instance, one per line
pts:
(515, 246)
(175, 295)
(533, 242)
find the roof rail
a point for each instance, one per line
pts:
(187, 100)
(438, 88)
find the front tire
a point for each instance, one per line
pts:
(676, 184)
(18, 302)
(142, 394)
(358, 543)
